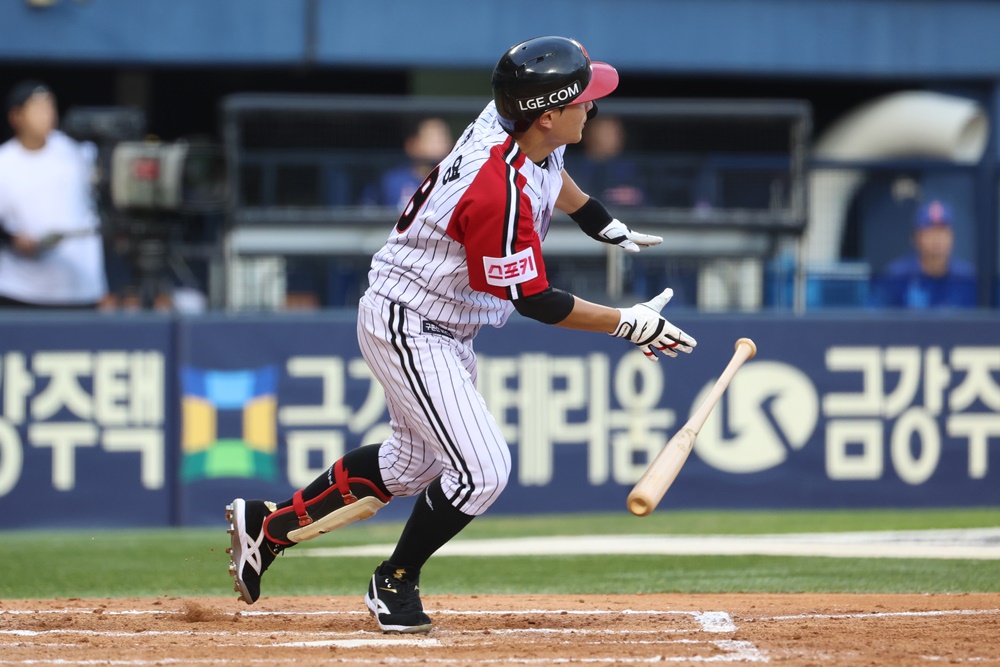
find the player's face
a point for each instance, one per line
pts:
(568, 125)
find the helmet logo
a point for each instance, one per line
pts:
(553, 99)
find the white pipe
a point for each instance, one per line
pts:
(900, 125)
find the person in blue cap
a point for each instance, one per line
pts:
(930, 277)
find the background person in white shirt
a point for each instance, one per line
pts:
(52, 255)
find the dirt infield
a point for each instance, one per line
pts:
(510, 630)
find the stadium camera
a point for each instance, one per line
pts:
(155, 176)
(140, 175)
(104, 125)
(151, 195)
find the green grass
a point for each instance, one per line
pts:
(730, 522)
(193, 562)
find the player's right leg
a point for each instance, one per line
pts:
(350, 490)
(447, 448)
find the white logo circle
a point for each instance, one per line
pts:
(760, 390)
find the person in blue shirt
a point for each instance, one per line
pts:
(930, 277)
(603, 170)
(428, 142)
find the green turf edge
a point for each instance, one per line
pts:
(192, 562)
(543, 574)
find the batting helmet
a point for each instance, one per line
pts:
(546, 73)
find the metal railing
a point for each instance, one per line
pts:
(297, 163)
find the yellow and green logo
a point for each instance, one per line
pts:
(228, 423)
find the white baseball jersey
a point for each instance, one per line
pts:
(466, 245)
(469, 241)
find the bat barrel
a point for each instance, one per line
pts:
(660, 474)
(639, 506)
(653, 485)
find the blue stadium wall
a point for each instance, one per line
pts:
(156, 421)
(909, 38)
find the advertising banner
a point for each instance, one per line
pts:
(87, 422)
(829, 414)
(159, 422)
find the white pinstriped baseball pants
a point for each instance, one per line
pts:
(440, 424)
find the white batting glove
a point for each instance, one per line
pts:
(616, 233)
(643, 325)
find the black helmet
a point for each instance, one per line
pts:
(547, 73)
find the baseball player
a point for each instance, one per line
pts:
(465, 252)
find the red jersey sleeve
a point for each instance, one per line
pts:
(494, 221)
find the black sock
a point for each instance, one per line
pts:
(361, 462)
(432, 523)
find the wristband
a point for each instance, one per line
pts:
(592, 217)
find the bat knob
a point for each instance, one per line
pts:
(750, 344)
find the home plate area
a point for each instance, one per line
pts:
(509, 630)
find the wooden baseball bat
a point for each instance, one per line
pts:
(662, 472)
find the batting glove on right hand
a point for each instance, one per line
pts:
(616, 233)
(643, 325)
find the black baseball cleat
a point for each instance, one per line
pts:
(393, 598)
(251, 553)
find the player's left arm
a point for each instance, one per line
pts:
(595, 220)
(519, 275)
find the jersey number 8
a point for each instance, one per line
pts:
(417, 200)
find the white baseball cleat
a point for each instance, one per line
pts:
(250, 553)
(393, 598)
